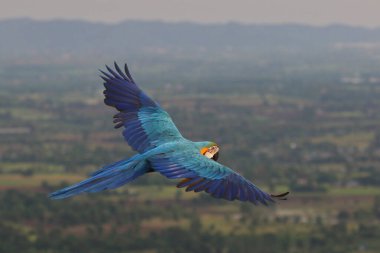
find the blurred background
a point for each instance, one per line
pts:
(290, 90)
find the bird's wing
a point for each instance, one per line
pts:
(200, 173)
(146, 124)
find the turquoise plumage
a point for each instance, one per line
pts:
(149, 130)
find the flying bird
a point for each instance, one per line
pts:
(161, 148)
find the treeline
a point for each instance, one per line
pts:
(112, 223)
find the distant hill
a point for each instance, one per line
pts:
(28, 38)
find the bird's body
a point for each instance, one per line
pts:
(149, 130)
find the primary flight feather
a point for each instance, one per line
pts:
(161, 148)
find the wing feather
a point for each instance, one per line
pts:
(202, 174)
(146, 124)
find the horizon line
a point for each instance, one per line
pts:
(221, 23)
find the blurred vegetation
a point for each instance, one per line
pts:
(308, 127)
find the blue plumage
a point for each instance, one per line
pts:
(110, 177)
(149, 130)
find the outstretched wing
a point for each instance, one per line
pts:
(200, 173)
(146, 124)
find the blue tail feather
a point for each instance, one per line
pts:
(108, 177)
(121, 163)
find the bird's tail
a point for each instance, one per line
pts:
(108, 177)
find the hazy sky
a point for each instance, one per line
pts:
(316, 12)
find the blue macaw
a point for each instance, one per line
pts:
(161, 148)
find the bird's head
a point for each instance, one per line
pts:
(210, 150)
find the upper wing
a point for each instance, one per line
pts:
(146, 124)
(203, 174)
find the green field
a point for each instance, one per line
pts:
(316, 137)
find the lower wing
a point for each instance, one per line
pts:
(202, 174)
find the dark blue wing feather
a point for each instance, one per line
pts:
(146, 124)
(202, 174)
